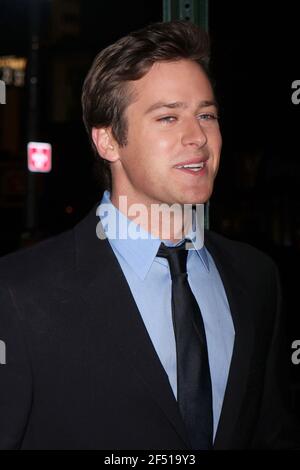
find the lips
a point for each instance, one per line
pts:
(195, 171)
(194, 161)
(195, 166)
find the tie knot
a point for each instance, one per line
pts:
(176, 256)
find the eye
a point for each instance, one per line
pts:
(167, 119)
(208, 117)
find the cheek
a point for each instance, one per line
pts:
(216, 144)
(140, 166)
(150, 153)
(157, 138)
(219, 138)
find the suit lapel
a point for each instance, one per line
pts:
(120, 317)
(240, 307)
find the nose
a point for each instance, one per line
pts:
(194, 134)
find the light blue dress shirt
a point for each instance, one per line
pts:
(149, 280)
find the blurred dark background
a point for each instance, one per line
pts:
(254, 62)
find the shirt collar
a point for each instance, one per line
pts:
(138, 252)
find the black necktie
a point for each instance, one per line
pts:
(194, 392)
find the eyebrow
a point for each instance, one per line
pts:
(180, 104)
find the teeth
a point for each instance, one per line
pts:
(192, 165)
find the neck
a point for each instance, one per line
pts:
(170, 222)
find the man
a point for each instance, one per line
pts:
(107, 347)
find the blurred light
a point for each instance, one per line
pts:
(39, 156)
(13, 62)
(69, 210)
(12, 70)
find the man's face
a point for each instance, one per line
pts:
(172, 121)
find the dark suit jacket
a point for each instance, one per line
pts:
(81, 371)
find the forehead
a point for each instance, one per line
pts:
(182, 80)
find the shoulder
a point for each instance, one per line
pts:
(40, 261)
(243, 256)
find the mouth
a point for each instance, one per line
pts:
(193, 168)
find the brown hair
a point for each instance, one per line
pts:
(106, 94)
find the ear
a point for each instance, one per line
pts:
(105, 143)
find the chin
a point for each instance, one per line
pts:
(198, 198)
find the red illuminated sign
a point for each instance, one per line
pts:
(39, 157)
